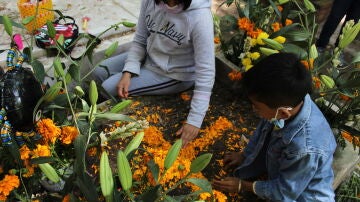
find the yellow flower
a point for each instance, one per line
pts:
(68, 134)
(253, 42)
(246, 61)
(262, 35)
(42, 150)
(280, 39)
(48, 130)
(254, 55)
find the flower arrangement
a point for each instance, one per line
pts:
(266, 27)
(68, 150)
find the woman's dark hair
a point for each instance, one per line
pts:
(186, 3)
(278, 80)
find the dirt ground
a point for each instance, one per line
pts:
(225, 102)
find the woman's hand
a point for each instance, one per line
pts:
(123, 85)
(188, 133)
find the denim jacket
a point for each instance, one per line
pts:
(298, 159)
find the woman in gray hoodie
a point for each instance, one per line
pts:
(172, 51)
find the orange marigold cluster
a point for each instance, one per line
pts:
(48, 130)
(235, 75)
(316, 82)
(7, 185)
(248, 26)
(68, 134)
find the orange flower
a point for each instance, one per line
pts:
(245, 24)
(92, 151)
(254, 33)
(66, 198)
(68, 134)
(345, 97)
(317, 82)
(309, 64)
(280, 8)
(48, 130)
(42, 150)
(184, 96)
(276, 26)
(216, 40)
(7, 185)
(29, 169)
(288, 22)
(24, 152)
(235, 75)
(346, 135)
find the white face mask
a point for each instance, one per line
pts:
(279, 123)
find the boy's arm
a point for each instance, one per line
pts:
(294, 176)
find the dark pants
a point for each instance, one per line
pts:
(340, 8)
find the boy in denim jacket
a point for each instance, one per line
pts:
(293, 143)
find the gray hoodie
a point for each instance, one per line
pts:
(178, 45)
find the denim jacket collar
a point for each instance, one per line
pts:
(294, 126)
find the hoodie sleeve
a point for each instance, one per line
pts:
(137, 50)
(202, 36)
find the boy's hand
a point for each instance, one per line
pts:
(229, 184)
(123, 85)
(188, 133)
(232, 160)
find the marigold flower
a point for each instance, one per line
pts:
(68, 134)
(24, 152)
(276, 26)
(7, 185)
(48, 130)
(66, 198)
(280, 8)
(235, 75)
(29, 169)
(41, 150)
(262, 35)
(254, 33)
(346, 135)
(245, 24)
(317, 82)
(216, 40)
(254, 55)
(309, 64)
(288, 22)
(184, 96)
(280, 39)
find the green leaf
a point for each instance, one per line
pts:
(15, 24)
(297, 50)
(106, 176)
(60, 39)
(155, 170)
(111, 49)
(74, 71)
(85, 106)
(169, 199)
(172, 154)
(50, 29)
(39, 70)
(134, 143)
(8, 25)
(113, 116)
(151, 194)
(284, 30)
(80, 151)
(27, 20)
(128, 24)
(87, 187)
(204, 184)
(275, 8)
(297, 35)
(200, 163)
(58, 67)
(124, 171)
(356, 58)
(40, 160)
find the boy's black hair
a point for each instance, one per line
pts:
(186, 3)
(278, 80)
